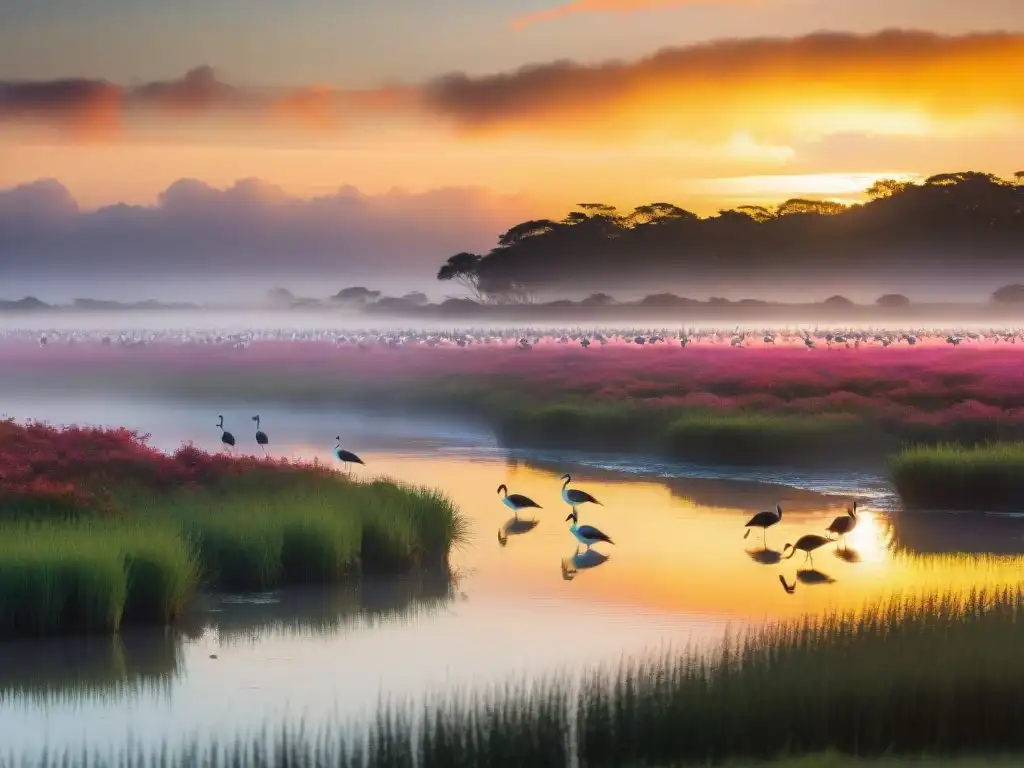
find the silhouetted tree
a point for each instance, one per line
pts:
(598, 300)
(837, 301)
(799, 205)
(757, 212)
(1018, 177)
(892, 301)
(901, 226)
(1009, 294)
(357, 294)
(416, 298)
(884, 188)
(462, 269)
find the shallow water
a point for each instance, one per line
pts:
(680, 573)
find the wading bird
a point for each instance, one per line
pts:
(346, 457)
(574, 496)
(261, 437)
(225, 437)
(806, 544)
(517, 501)
(764, 521)
(843, 525)
(585, 534)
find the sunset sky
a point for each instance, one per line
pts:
(700, 102)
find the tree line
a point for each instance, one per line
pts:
(945, 220)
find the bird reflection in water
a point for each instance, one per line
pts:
(765, 556)
(515, 526)
(808, 577)
(848, 555)
(582, 561)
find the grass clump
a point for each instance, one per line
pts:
(937, 674)
(756, 438)
(97, 528)
(318, 532)
(954, 477)
(91, 577)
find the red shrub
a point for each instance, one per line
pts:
(76, 468)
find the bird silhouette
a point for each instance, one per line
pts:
(764, 520)
(806, 544)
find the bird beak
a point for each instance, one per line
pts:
(568, 518)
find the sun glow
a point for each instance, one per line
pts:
(776, 186)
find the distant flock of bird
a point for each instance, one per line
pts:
(527, 338)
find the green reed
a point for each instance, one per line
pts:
(954, 477)
(91, 576)
(318, 532)
(931, 674)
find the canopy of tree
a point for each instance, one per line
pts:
(357, 294)
(1009, 294)
(892, 300)
(946, 219)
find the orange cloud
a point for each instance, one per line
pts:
(315, 107)
(611, 6)
(770, 88)
(757, 92)
(86, 110)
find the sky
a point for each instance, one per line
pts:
(703, 103)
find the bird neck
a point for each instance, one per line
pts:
(566, 483)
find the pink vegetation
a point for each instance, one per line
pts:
(900, 383)
(74, 468)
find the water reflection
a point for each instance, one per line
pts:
(952, 533)
(515, 526)
(149, 661)
(765, 556)
(582, 561)
(141, 662)
(682, 574)
(809, 577)
(848, 555)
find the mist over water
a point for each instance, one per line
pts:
(964, 317)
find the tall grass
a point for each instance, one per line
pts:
(936, 674)
(320, 531)
(745, 438)
(94, 576)
(954, 477)
(91, 577)
(692, 434)
(97, 528)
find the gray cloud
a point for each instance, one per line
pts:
(252, 231)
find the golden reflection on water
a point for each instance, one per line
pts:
(672, 555)
(525, 602)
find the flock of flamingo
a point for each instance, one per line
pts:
(588, 535)
(528, 338)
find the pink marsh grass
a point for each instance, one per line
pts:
(899, 383)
